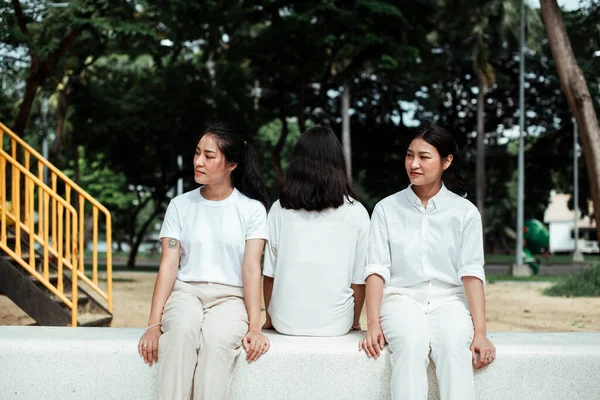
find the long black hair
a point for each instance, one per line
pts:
(445, 144)
(246, 176)
(316, 176)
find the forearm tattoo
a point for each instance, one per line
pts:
(172, 243)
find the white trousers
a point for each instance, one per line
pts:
(203, 325)
(434, 317)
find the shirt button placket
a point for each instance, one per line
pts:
(429, 293)
(424, 239)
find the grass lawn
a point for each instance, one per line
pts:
(534, 278)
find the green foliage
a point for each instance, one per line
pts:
(143, 78)
(584, 284)
(96, 177)
(534, 278)
(266, 139)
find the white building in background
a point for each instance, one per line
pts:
(560, 221)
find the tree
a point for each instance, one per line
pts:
(303, 53)
(139, 90)
(107, 186)
(485, 76)
(147, 102)
(496, 25)
(48, 33)
(578, 96)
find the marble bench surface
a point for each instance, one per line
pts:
(102, 363)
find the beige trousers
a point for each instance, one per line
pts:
(203, 325)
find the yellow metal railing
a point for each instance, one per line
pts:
(56, 216)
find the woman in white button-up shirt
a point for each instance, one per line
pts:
(425, 276)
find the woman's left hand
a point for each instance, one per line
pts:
(483, 351)
(256, 344)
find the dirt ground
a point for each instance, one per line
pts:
(511, 306)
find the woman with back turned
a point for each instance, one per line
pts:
(318, 232)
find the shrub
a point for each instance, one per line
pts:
(583, 284)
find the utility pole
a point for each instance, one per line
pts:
(577, 256)
(519, 268)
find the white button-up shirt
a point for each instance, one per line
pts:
(410, 244)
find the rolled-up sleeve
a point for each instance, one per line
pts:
(471, 258)
(379, 259)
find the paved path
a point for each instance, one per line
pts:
(490, 269)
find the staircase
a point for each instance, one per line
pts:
(44, 226)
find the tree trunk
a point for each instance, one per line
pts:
(61, 115)
(132, 221)
(301, 119)
(139, 237)
(276, 152)
(31, 87)
(480, 167)
(210, 66)
(347, 146)
(39, 69)
(578, 96)
(256, 94)
(77, 171)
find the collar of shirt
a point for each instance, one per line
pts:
(437, 201)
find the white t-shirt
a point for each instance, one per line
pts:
(213, 235)
(314, 257)
(410, 244)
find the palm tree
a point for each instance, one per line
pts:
(507, 15)
(485, 75)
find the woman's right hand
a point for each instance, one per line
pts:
(373, 342)
(148, 345)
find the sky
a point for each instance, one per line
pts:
(566, 4)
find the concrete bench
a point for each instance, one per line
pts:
(102, 363)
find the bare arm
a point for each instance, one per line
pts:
(374, 340)
(359, 300)
(251, 278)
(167, 273)
(267, 292)
(374, 296)
(476, 300)
(482, 349)
(378, 272)
(254, 342)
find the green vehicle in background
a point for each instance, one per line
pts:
(536, 241)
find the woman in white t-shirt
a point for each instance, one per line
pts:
(425, 276)
(206, 300)
(318, 232)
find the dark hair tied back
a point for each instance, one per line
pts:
(445, 144)
(246, 176)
